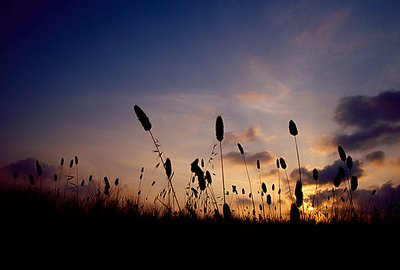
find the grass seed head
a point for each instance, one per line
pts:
(142, 117)
(337, 180)
(283, 163)
(240, 148)
(168, 168)
(354, 183)
(349, 162)
(315, 174)
(293, 128)
(219, 128)
(264, 187)
(342, 153)
(299, 193)
(269, 199)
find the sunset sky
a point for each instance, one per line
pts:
(72, 71)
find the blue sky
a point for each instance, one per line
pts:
(71, 72)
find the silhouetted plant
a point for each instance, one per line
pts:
(315, 174)
(294, 132)
(144, 120)
(279, 188)
(284, 166)
(219, 132)
(299, 193)
(248, 177)
(294, 213)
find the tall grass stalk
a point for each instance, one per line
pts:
(294, 132)
(248, 177)
(284, 167)
(263, 187)
(219, 133)
(144, 120)
(298, 190)
(279, 189)
(315, 174)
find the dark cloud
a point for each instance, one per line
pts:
(369, 138)
(381, 201)
(366, 111)
(23, 168)
(251, 159)
(376, 157)
(373, 119)
(327, 173)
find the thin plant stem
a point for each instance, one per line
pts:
(162, 161)
(222, 171)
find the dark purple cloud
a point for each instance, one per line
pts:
(369, 138)
(23, 168)
(327, 173)
(377, 156)
(374, 119)
(381, 202)
(366, 111)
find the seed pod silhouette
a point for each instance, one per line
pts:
(142, 117)
(168, 168)
(337, 180)
(240, 148)
(354, 183)
(269, 199)
(342, 153)
(264, 187)
(349, 162)
(315, 174)
(299, 193)
(219, 128)
(283, 163)
(293, 128)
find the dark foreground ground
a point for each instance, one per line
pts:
(37, 232)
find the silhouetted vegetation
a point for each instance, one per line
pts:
(75, 206)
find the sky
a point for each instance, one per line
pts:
(72, 71)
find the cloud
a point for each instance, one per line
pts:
(250, 134)
(376, 157)
(366, 111)
(24, 168)
(323, 37)
(237, 159)
(373, 120)
(251, 97)
(369, 138)
(385, 198)
(327, 173)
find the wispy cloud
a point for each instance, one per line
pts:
(323, 37)
(235, 158)
(249, 134)
(376, 157)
